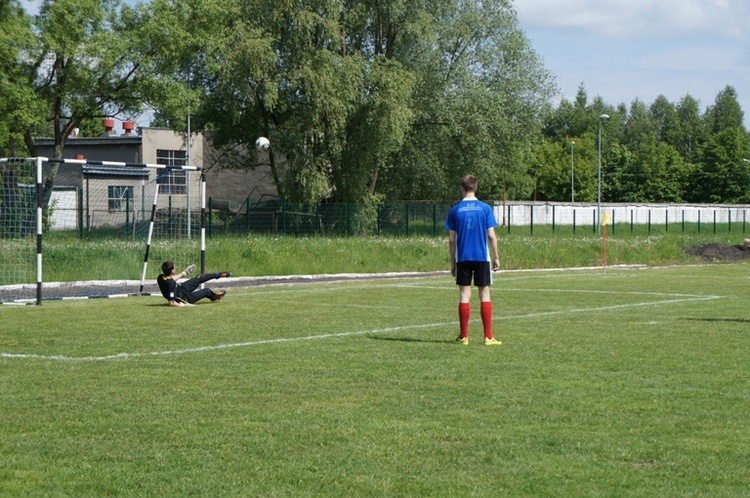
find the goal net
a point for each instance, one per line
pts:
(103, 229)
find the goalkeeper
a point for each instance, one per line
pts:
(186, 293)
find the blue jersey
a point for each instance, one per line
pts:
(470, 219)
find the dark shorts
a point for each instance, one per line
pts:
(479, 270)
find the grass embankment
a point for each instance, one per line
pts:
(256, 256)
(263, 255)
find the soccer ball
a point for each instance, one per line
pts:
(262, 143)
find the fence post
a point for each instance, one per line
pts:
(649, 222)
(593, 225)
(729, 220)
(631, 220)
(509, 211)
(434, 219)
(553, 218)
(348, 219)
(127, 213)
(574, 220)
(613, 221)
(666, 220)
(683, 221)
(247, 215)
(714, 221)
(406, 217)
(532, 219)
(317, 218)
(379, 221)
(80, 214)
(699, 221)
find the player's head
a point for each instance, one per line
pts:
(167, 268)
(469, 183)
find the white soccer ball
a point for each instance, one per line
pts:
(262, 143)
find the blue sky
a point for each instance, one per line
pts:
(627, 49)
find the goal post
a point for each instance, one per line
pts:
(21, 194)
(96, 225)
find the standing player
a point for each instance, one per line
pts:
(187, 293)
(470, 227)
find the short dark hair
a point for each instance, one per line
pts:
(167, 267)
(469, 183)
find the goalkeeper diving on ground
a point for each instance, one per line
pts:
(187, 293)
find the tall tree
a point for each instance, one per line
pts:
(81, 66)
(364, 99)
(480, 96)
(663, 116)
(725, 113)
(688, 134)
(20, 110)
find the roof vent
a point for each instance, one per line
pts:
(128, 126)
(109, 127)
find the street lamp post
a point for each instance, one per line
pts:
(572, 176)
(599, 178)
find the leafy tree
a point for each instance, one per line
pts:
(724, 174)
(480, 96)
(80, 66)
(688, 134)
(19, 108)
(726, 112)
(663, 116)
(362, 99)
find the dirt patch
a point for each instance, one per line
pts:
(719, 252)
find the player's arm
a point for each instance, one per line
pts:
(493, 246)
(186, 272)
(452, 249)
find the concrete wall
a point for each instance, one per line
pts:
(582, 214)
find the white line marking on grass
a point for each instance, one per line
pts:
(345, 334)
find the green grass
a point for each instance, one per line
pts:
(69, 259)
(632, 383)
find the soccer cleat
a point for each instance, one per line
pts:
(462, 340)
(491, 342)
(187, 271)
(217, 295)
(223, 274)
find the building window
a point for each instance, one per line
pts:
(172, 181)
(120, 198)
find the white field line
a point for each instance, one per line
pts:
(348, 334)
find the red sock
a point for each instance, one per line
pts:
(486, 311)
(464, 312)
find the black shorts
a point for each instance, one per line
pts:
(479, 270)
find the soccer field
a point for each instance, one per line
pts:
(629, 383)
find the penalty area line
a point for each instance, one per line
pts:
(336, 335)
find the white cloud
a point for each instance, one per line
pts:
(632, 18)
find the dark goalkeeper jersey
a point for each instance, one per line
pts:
(168, 288)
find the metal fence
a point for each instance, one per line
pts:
(428, 218)
(283, 218)
(403, 219)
